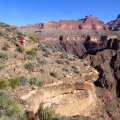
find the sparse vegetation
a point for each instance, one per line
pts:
(14, 39)
(31, 52)
(65, 69)
(42, 61)
(46, 113)
(10, 107)
(35, 81)
(32, 38)
(4, 84)
(3, 56)
(42, 70)
(5, 47)
(23, 81)
(59, 61)
(2, 33)
(76, 69)
(29, 66)
(68, 62)
(15, 82)
(63, 56)
(2, 67)
(20, 49)
(54, 74)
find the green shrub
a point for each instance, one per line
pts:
(42, 61)
(2, 67)
(10, 107)
(3, 84)
(65, 69)
(54, 74)
(3, 56)
(14, 39)
(45, 113)
(20, 49)
(40, 83)
(15, 82)
(23, 81)
(46, 54)
(68, 62)
(59, 61)
(33, 81)
(29, 66)
(5, 47)
(31, 52)
(76, 69)
(42, 47)
(32, 38)
(63, 56)
(13, 109)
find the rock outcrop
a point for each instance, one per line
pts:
(115, 24)
(103, 53)
(87, 23)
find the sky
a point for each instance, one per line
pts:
(21, 12)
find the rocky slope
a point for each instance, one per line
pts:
(41, 74)
(102, 52)
(115, 24)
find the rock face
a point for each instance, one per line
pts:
(115, 24)
(103, 53)
(87, 23)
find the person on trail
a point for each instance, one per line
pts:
(22, 40)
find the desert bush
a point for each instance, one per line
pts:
(5, 47)
(45, 113)
(76, 69)
(10, 107)
(3, 56)
(32, 38)
(42, 70)
(2, 33)
(65, 69)
(33, 81)
(23, 81)
(46, 54)
(3, 84)
(42, 61)
(59, 61)
(63, 56)
(20, 49)
(54, 74)
(68, 62)
(40, 83)
(13, 109)
(29, 66)
(31, 52)
(2, 67)
(15, 82)
(14, 39)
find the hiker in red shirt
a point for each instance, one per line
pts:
(22, 40)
